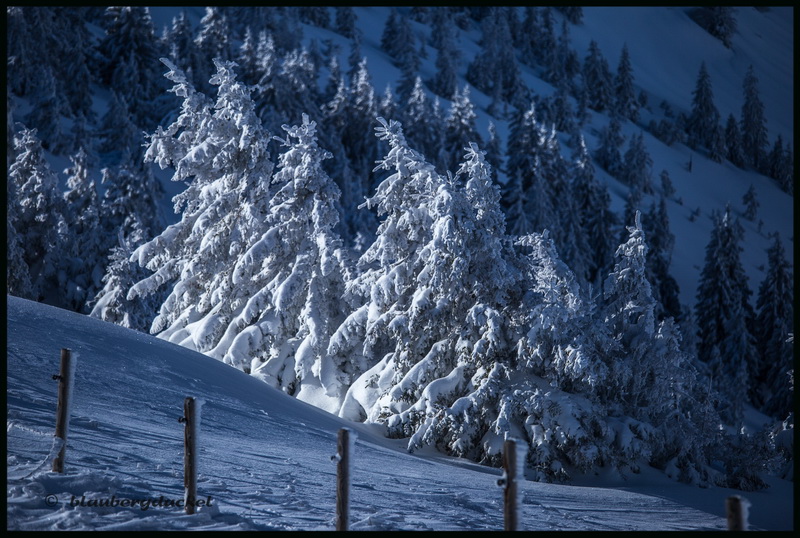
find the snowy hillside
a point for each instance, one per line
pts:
(450, 225)
(265, 457)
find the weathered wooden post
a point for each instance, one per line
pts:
(510, 482)
(65, 379)
(343, 480)
(736, 509)
(189, 420)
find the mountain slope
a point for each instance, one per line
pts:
(265, 457)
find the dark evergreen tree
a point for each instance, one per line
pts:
(774, 327)
(445, 82)
(594, 213)
(130, 60)
(212, 42)
(40, 225)
(750, 203)
(180, 44)
(637, 166)
(315, 16)
(779, 165)
(702, 126)
(733, 142)
(597, 79)
(45, 116)
(724, 317)
(18, 278)
(661, 241)
(753, 124)
(610, 142)
(494, 152)
(346, 21)
(667, 188)
(573, 14)
(626, 104)
(719, 21)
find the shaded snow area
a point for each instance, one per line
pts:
(265, 458)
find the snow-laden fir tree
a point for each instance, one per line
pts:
(220, 150)
(18, 279)
(386, 268)
(444, 331)
(84, 255)
(774, 327)
(111, 303)
(40, 222)
(289, 282)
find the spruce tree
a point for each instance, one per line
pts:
(724, 316)
(40, 226)
(702, 126)
(751, 203)
(733, 142)
(753, 124)
(626, 104)
(607, 153)
(637, 166)
(597, 79)
(774, 327)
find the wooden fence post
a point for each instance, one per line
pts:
(736, 509)
(510, 483)
(64, 378)
(189, 454)
(343, 481)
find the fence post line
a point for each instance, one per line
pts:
(510, 493)
(189, 454)
(62, 408)
(343, 481)
(735, 508)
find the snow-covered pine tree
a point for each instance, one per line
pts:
(180, 46)
(289, 282)
(386, 270)
(40, 225)
(446, 337)
(45, 115)
(111, 303)
(774, 326)
(84, 255)
(221, 151)
(753, 124)
(18, 278)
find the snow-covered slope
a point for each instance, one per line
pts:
(265, 458)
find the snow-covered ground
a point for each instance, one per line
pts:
(265, 458)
